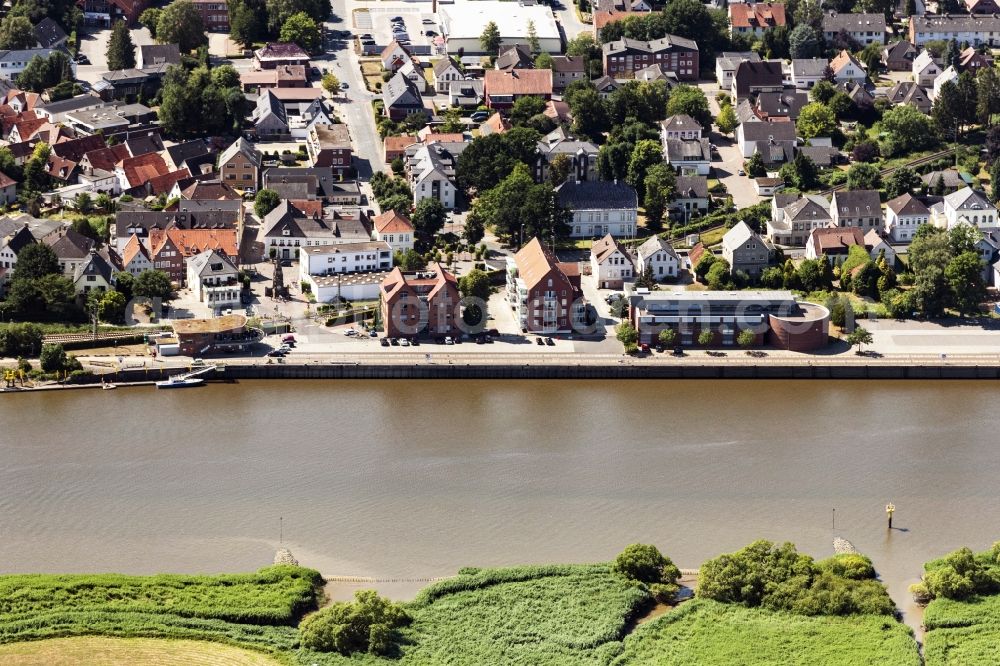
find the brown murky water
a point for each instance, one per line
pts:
(412, 479)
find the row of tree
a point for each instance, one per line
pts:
(298, 21)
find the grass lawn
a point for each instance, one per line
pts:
(99, 651)
(962, 632)
(713, 236)
(707, 632)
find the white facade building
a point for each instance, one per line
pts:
(363, 257)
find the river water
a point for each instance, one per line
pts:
(419, 478)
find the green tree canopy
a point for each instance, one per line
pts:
(301, 29)
(490, 39)
(264, 202)
(814, 120)
(121, 50)
(368, 625)
(863, 177)
(16, 32)
(428, 219)
(690, 100)
(152, 284)
(180, 23)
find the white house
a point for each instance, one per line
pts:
(688, 156)
(432, 172)
(726, 64)
(394, 229)
(966, 206)
(412, 71)
(600, 208)
(659, 257)
(135, 257)
(807, 72)
(445, 71)
(847, 68)
(875, 244)
(213, 279)
(364, 257)
(925, 70)
(93, 274)
(944, 77)
(610, 264)
(774, 141)
(680, 126)
(903, 216)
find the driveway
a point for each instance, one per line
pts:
(94, 45)
(728, 166)
(567, 18)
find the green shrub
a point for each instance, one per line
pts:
(962, 573)
(849, 565)
(367, 625)
(646, 564)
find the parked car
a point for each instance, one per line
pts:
(448, 340)
(343, 85)
(403, 342)
(350, 332)
(384, 342)
(82, 60)
(550, 342)
(741, 172)
(396, 18)
(428, 21)
(479, 116)
(314, 71)
(394, 342)
(430, 33)
(288, 339)
(373, 333)
(277, 353)
(539, 342)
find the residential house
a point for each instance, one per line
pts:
(876, 245)
(395, 146)
(276, 54)
(191, 155)
(807, 72)
(745, 250)
(542, 295)
(8, 189)
(514, 56)
(856, 208)
(822, 156)
(907, 92)
(71, 248)
(753, 78)
(653, 73)
(605, 85)
(925, 69)
(975, 29)
(981, 6)
(394, 56)
(400, 98)
(214, 14)
(135, 257)
(778, 105)
(658, 257)
(143, 223)
(768, 187)
(127, 85)
(726, 64)
(285, 76)
(269, 118)
(691, 198)
(286, 228)
(105, 12)
(329, 147)
(495, 124)
(502, 89)
(755, 18)
(680, 126)
(857, 93)
(239, 165)
(135, 172)
(55, 112)
(430, 170)
(343, 258)
(214, 280)
(13, 62)
(774, 141)
(794, 217)
(624, 57)
(395, 229)
(966, 206)
(312, 183)
(903, 216)
(151, 55)
(49, 34)
(421, 303)
(599, 208)
(948, 75)
(847, 68)
(691, 156)
(466, 93)
(581, 155)
(414, 73)
(610, 264)
(834, 244)
(971, 60)
(566, 70)
(864, 29)
(943, 182)
(445, 71)
(95, 273)
(899, 56)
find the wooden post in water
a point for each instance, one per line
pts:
(889, 509)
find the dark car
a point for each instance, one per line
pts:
(82, 60)
(396, 18)
(384, 342)
(286, 263)
(660, 349)
(314, 71)
(550, 342)
(277, 353)
(414, 342)
(489, 339)
(480, 340)
(539, 342)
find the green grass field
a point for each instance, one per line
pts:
(962, 632)
(708, 632)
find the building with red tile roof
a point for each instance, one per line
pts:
(544, 297)
(502, 89)
(135, 172)
(421, 303)
(755, 18)
(395, 229)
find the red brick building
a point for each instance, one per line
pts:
(214, 14)
(624, 57)
(542, 291)
(421, 303)
(202, 336)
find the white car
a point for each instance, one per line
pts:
(449, 341)
(403, 342)
(350, 332)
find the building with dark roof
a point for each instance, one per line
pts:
(856, 208)
(862, 28)
(677, 55)
(50, 34)
(400, 98)
(599, 207)
(752, 78)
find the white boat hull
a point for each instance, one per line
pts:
(180, 383)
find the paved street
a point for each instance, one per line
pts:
(566, 15)
(729, 162)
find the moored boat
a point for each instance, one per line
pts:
(177, 381)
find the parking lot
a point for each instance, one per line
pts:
(378, 22)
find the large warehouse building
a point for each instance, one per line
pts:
(463, 23)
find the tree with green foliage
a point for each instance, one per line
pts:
(121, 50)
(719, 275)
(964, 274)
(53, 358)
(428, 219)
(859, 336)
(247, 21)
(814, 120)
(645, 154)
(646, 564)
(331, 83)
(202, 101)
(947, 111)
(659, 189)
(532, 37)
(692, 19)
(746, 338)
(490, 39)
(803, 42)
(264, 202)
(43, 73)
(518, 207)
(726, 120)
(822, 92)
(903, 129)
(626, 334)
(150, 19)
(475, 284)
(489, 159)
(863, 177)
(302, 30)
(690, 100)
(667, 337)
(112, 307)
(754, 167)
(278, 11)
(180, 23)
(525, 108)
(16, 32)
(801, 173)
(903, 180)
(153, 283)
(589, 116)
(987, 95)
(366, 626)
(706, 337)
(20, 340)
(409, 260)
